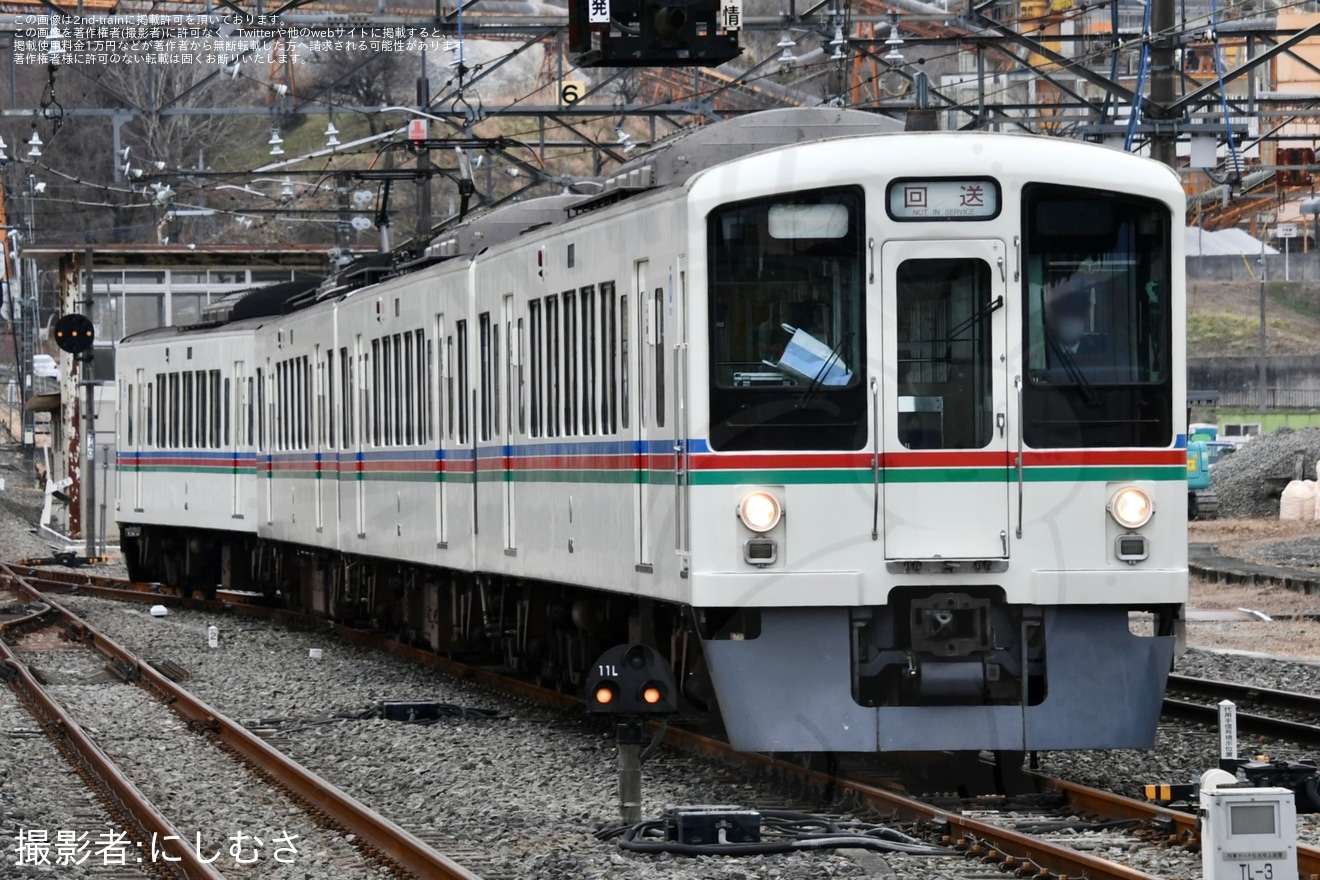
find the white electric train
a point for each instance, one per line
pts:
(877, 436)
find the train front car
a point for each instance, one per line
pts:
(939, 381)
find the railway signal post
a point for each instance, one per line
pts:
(631, 682)
(75, 334)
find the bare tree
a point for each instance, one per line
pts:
(363, 79)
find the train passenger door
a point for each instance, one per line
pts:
(443, 395)
(635, 357)
(236, 402)
(506, 435)
(360, 403)
(677, 310)
(318, 413)
(135, 435)
(944, 394)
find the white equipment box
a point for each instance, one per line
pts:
(1247, 833)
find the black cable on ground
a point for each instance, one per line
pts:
(783, 831)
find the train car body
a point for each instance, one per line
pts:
(877, 436)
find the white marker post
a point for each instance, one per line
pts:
(1228, 746)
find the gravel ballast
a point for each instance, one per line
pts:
(525, 789)
(1241, 482)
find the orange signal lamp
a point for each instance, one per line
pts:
(651, 695)
(604, 695)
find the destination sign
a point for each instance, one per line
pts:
(960, 199)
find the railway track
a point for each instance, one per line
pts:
(978, 833)
(1280, 714)
(381, 839)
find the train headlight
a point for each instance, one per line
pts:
(1131, 508)
(760, 511)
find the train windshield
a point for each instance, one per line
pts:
(787, 342)
(1097, 336)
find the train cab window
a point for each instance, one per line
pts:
(1097, 336)
(786, 323)
(944, 353)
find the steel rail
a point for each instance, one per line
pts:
(998, 843)
(120, 795)
(379, 833)
(1288, 701)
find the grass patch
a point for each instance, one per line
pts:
(1301, 298)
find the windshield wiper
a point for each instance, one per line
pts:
(824, 369)
(1074, 372)
(980, 315)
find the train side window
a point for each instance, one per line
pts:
(522, 386)
(373, 393)
(552, 366)
(389, 391)
(129, 413)
(421, 414)
(608, 355)
(449, 384)
(251, 422)
(188, 414)
(288, 413)
(346, 397)
(399, 403)
(218, 409)
(483, 331)
(659, 357)
(160, 401)
(201, 411)
(261, 409)
(588, 295)
(495, 380)
(409, 387)
(570, 363)
(624, 368)
(331, 399)
(307, 391)
(228, 399)
(464, 398)
(278, 423)
(433, 386)
(535, 366)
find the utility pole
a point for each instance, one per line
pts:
(88, 375)
(423, 163)
(1264, 275)
(1163, 82)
